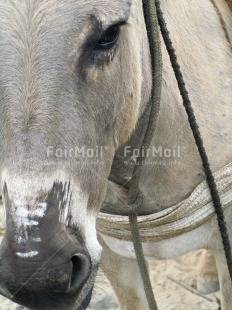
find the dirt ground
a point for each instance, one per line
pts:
(169, 294)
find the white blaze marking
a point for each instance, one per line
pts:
(22, 214)
(27, 222)
(21, 239)
(24, 240)
(36, 239)
(40, 212)
(28, 254)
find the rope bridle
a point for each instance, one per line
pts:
(155, 24)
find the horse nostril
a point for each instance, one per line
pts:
(80, 272)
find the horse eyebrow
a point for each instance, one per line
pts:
(102, 25)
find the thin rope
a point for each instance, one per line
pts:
(142, 262)
(135, 195)
(197, 136)
(156, 65)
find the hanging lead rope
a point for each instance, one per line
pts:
(156, 65)
(135, 196)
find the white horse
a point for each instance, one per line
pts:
(75, 78)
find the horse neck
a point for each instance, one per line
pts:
(169, 180)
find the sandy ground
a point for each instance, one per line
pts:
(169, 295)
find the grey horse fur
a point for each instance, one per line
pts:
(55, 93)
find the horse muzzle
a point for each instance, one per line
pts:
(57, 270)
(42, 263)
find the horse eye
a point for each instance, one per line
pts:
(109, 38)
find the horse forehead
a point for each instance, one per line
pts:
(107, 9)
